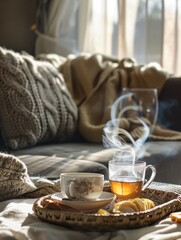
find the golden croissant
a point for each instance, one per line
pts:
(132, 205)
(176, 217)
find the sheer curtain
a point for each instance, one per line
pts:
(147, 30)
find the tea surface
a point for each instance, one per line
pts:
(126, 187)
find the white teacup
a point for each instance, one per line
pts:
(81, 186)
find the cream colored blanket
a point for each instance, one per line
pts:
(17, 221)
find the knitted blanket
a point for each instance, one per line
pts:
(15, 181)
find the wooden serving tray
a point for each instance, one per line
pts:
(166, 203)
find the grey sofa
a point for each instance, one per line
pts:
(33, 93)
(51, 159)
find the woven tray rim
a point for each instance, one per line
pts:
(89, 221)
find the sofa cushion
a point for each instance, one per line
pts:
(36, 106)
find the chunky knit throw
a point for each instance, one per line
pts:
(35, 104)
(14, 179)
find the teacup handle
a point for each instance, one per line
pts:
(150, 180)
(70, 192)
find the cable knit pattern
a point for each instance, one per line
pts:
(35, 104)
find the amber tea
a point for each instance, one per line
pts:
(127, 180)
(126, 187)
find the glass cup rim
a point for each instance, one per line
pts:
(128, 163)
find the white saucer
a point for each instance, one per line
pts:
(103, 200)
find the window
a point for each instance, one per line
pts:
(147, 30)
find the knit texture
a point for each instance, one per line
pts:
(35, 104)
(14, 179)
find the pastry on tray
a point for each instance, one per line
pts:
(125, 206)
(104, 219)
(176, 217)
(56, 205)
(129, 206)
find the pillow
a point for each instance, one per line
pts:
(35, 104)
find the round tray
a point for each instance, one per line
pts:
(166, 202)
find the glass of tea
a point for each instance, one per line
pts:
(127, 178)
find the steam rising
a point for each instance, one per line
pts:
(115, 133)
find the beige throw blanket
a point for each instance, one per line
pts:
(95, 82)
(18, 222)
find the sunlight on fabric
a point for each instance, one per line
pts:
(14, 213)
